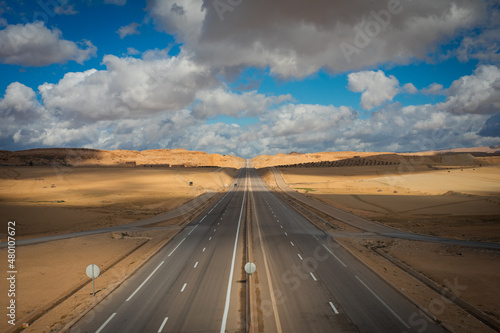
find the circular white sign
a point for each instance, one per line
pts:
(250, 267)
(93, 271)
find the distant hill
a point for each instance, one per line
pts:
(452, 157)
(79, 157)
(482, 149)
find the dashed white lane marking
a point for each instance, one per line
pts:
(177, 247)
(334, 256)
(204, 249)
(195, 265)
(292, 243)
(144, 282)
(215, 229)
(281, 226)
(286, 234)
(192, 230)
(210, 238)
(184, 287)
(105, 323)
(163, 324)
(218, 223)
(334, 308)
(383, 303)
(300, 256)
(314, 278)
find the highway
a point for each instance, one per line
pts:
(369, 225)
(305, 282)
(185, 287)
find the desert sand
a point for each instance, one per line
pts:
(48, 200)
(462, 203)
(62, 199)
(453, 195)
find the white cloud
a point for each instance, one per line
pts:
(133, 51)
(127, 30)
(477, 93)
(128, 88)
(434, 89)
(33, 44)
(297, 40)
(100, 109)
(3, 22)
(376, 87)
(410, 88)
(247, 104)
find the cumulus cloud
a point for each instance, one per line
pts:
(33, 44)
(18, 109)
(247, 104)
(103, 109)
(477, 93)
(297, 38)
(127, 30)
(434, 89)
(128, 88)
(410, 88)
(491, 126)
(376, 87)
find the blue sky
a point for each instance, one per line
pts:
(249, 78)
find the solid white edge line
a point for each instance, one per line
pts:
(144, 282)
(300, 256)
(176, 247)
(383, 303)
(192, 230)
(230, 282)
(334, 256)
(163, 324)
(314, 278)
(184, 287)
(334, 308)
(195, 265)
(105, 323)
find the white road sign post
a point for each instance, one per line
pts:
(93, 272)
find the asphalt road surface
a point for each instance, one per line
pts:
(372, 226)
(192, 285)
(305, 282)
